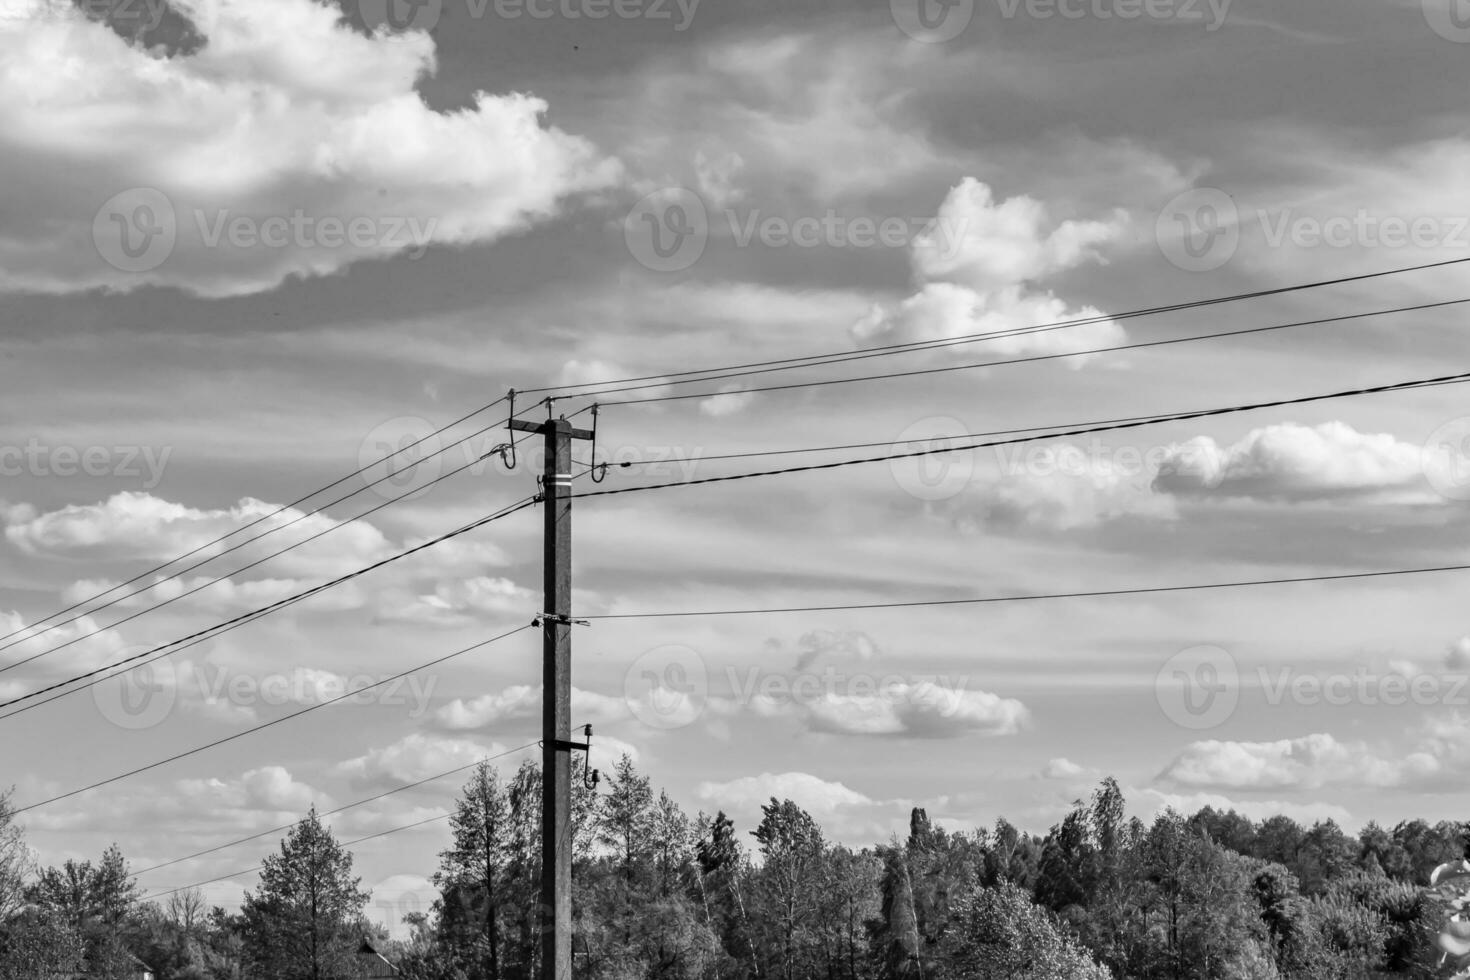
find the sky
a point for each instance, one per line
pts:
(248, 247)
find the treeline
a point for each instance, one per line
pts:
(661, 894)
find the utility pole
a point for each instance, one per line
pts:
(556, 698)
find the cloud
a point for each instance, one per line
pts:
(1157, 801)
(844, 813)
(138, 526)
(457, 602)
(413, 757)
(977, 272)
(284, 118)
(576, 373)
(522, 703)
(1291, 462)
(1066, 769)
(271, 788)
(1306, 763)
(917, 710)
(732, 400)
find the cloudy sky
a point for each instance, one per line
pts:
(249, 246)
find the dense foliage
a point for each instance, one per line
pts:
(658, 894)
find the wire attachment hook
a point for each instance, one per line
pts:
(508, 450)
(599, 470)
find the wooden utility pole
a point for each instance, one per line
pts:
(556, 698)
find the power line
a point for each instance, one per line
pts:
(341, 809)
(1029, 359)
(1038, 597)
(247, 542)
(837, 356)
(349, 843)
(1184, 416)
(220, 628)
(257, 521)
(270, 724)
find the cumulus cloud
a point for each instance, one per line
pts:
(1296, 462)
(922, 709)
(522, 703)
(285, 119)
(1156, 801)
(978, 271)
(844, 813)
(139, 526)
(454, 603)
(1065, 769)
(1309, 762)
(271, 788)
(413, 757)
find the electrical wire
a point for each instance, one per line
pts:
(341, 809)
(252, 870)
(246, 527)
(172, 647)
(237, 547)
(269, 724)
(1088, 430)
(1029, 359)
(830, 357)
(1038, 597)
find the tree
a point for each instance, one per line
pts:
(1000, 934)
(789, 881)
(15, 861)
(305, 920)
(472, 873)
